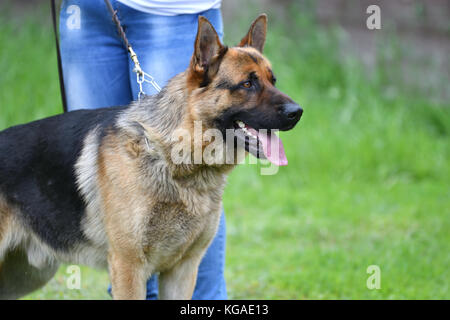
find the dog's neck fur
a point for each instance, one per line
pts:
(157, 118)
(163, 112)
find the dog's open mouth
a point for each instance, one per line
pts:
(263, 140)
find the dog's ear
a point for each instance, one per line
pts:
(256, 36)
(207, 46)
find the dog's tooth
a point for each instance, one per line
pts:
(241, 124)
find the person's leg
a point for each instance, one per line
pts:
(211, 279)
(94, 61)
(164, 46)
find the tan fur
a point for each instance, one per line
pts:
(5, 218)
(4, 214)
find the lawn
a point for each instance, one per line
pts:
(368, 180)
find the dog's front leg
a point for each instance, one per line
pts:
(178, 283)
(128, 277)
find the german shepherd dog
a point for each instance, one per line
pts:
(99, 187)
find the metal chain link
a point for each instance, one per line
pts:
(142, 77)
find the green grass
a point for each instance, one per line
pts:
(368, 181)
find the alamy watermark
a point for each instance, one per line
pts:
(73, 282)
(374, 280)
(74, 20)
(215, 147)
(373, 21)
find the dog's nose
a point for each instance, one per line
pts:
(292, 111)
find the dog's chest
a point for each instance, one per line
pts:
(173, 229)
(188, 222)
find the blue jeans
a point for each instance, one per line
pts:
(99, 73)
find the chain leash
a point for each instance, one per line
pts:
(141, 75)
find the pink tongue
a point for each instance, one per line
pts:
(272, 147)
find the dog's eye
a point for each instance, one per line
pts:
(247, 84)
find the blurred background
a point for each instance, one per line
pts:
(368, 180)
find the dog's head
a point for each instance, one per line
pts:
(235, 88)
